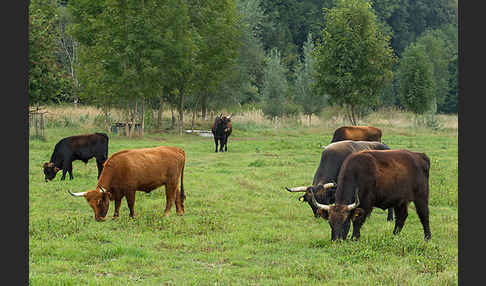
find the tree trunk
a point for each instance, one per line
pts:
(127, 112)
(181, 113)
(143, 117)
(159, 115)
(204, 108)
(173, 117)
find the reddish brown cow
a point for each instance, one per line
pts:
(357, 133)
(128, 171)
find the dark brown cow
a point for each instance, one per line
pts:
(383, 179)
(221, 130)
(128, 171)
(326, 175)
(80, 147)
(357, 133)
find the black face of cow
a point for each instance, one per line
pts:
(339, 218)
(221, 125)
(50, 171)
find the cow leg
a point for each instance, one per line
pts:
(70, 171)
(99, 164)
(390, 215)
(131, 203)
(64, 171)
(401, 213)
(216, 143)
(226, 144)
(422, 209)
(170, 197)
(116, 214)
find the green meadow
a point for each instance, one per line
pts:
(240, 227)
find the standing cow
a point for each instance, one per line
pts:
(326, 175)
(80, 147)
(357, 133)
(221, 130)
(146, 169)
(383, 179)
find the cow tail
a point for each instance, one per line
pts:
(183, 195)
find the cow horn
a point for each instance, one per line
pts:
(329, 185)
(102, 190)
(80, 194)
(296, 189)
(229, 117)
(356, 202)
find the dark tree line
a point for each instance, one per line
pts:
(206, 55)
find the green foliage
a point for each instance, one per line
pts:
(416, 80)
(353, 58)
(47, 80)
(306, 96)
(275, 86)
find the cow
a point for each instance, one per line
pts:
(221, 130)
(146, 169)
(325, 177)
(357, 133)
(383, 179)
(80, 147)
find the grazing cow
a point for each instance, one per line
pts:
(325, 177)
(146, 169)
(383, 179)
(357, 133)
(80, 147)
(221, 130)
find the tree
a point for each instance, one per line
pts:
(310, 101)
(47, 80)
(416, 79)
(353, 59)
(275, 86)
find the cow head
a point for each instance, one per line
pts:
(98, 200)
(339, 216)
(221, 123)
(50, 171)
(325, 193)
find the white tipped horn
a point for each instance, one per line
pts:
(356, 201)
(318, 205)
(297, 189)
(329, 185)
(80, 194)
(102, 190)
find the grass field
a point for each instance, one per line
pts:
(241, 227)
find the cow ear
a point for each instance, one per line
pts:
(44, 165)
(324, 214)
(56, 169)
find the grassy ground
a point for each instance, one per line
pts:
(241, 227)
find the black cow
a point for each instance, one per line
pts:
(326, 175)
(383, 179)
(80, 147)
(221, 130)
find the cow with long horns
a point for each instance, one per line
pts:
(383, 179)
(128, 171)
(221, 130)
(357, 133)
(326, 175)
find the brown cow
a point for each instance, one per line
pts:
(357, 133)
(383, 179)
(128, 171)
